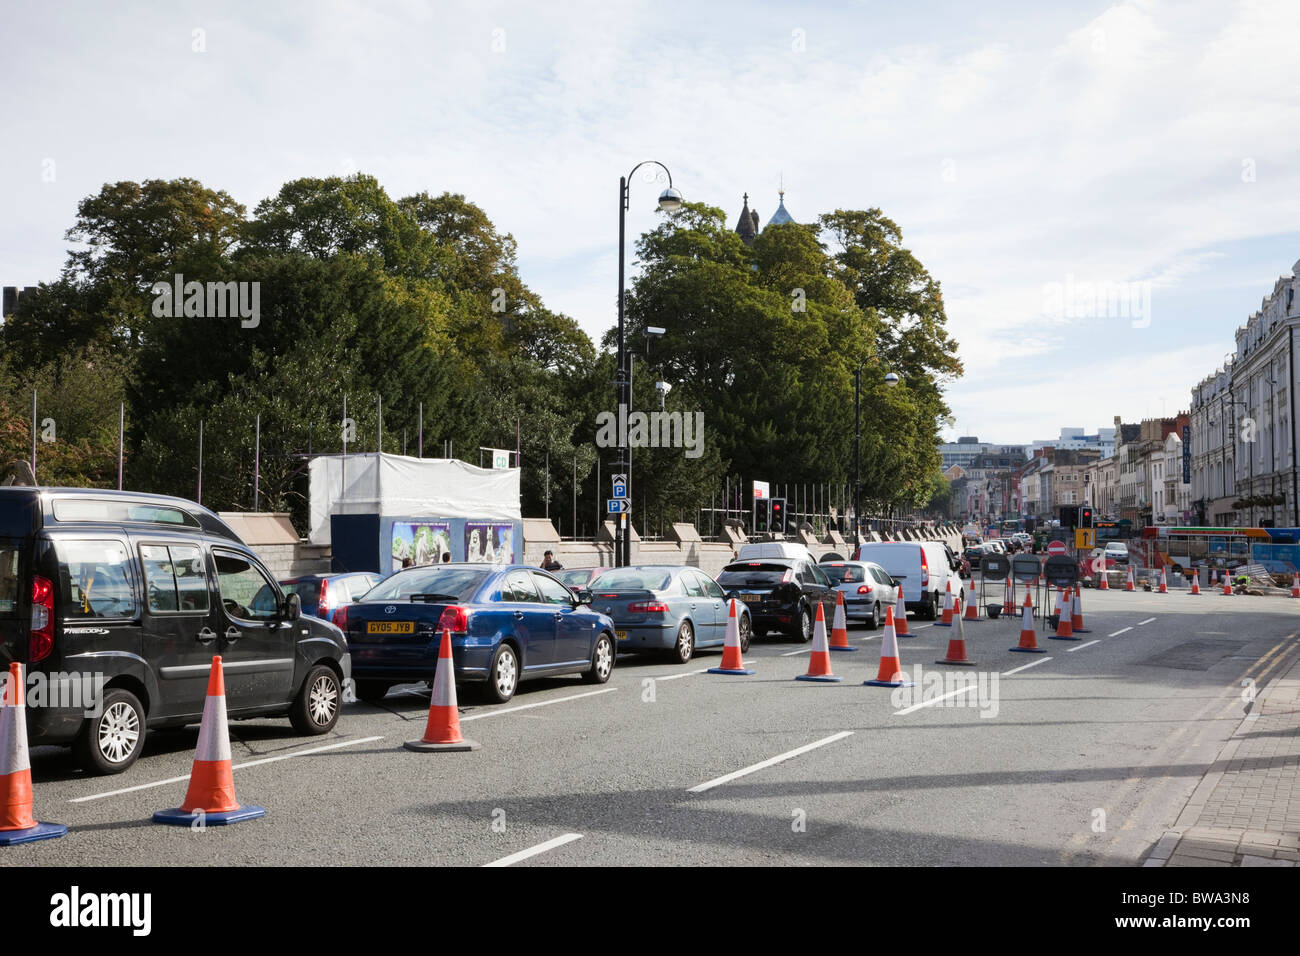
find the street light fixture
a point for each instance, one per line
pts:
(669, 200)
(891, 379)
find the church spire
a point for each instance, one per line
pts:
(747, 228)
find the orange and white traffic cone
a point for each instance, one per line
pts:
(1027, 642)
(891, 671)
(442, 729)
(17, 824)
(972, 612)
(947, 608)
(819, 663)
(900, 616)
(733, 661)
(1103, 577)
(957, 646)
(1196, 581)
(1064, 622)
(210, 800)
(1227, 584)
(1076, 613)
(1214, 577)
(1130, 585)
(839, 626)
(1295, 585)
(1164, 582)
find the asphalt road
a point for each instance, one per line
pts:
(1082, 755)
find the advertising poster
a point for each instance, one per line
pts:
(420, 543)
(489, 543)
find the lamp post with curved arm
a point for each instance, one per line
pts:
(669, 200)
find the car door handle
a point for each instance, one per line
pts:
(206, 636)
(519, 615)
(233, 634)
(692, 607)
(558, 615)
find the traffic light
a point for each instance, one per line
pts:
(1085, 517)
(778, 514)
(762, 515)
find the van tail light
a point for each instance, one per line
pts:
(648, 607)
(864, 588)
(41, 643)
(788, 576)
(925, 570)
(340, 619)
(323, 602)
(454, 618)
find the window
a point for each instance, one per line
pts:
(710, 586)
(95, 580)
(553, 592)
(175, 578)
(8, 579)
(692, 586)
(519, 588)
(246, 593)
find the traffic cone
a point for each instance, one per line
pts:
(900, 616)
(1076, 613)
(1164, 583)
(1295, 585)
(1196, 581)
(442, 729)
(17, 824)
(1027, 642)
(1064, 625)
(1104, 575)
(211, 795)
(819, 663)
(947, 608)
(1008, 601)
(957, 646)
(972, 612)
(839, 627)
(732, 660)
(891, 671)
(1214, 576)
(1129, 585)
(1227, 584)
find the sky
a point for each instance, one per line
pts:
(1104, 191)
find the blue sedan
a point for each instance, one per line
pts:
(507, 624)
(666, 608)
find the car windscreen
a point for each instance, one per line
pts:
(752, 575)
(572, 578)
(632, 579)
(451, 584)
(9, 588)
(843, 573)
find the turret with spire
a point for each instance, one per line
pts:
(747, 228)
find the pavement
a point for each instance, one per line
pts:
(1246, 809)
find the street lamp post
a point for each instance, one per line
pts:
(891, 379)
(669, 200)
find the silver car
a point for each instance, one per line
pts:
(867, 588)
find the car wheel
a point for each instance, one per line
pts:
(684, 647)
(875, 616)
(503, 675)
(111, 741)
(372, 691)
(602, 660)
(746, 633)
(315, 710)
(805, 625)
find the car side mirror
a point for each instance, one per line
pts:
(583, 596)
(293, 607)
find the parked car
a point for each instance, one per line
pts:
(1118, 551)
(323, 594)
(867, 588)
(575, 579)
(781, 593)
(667, 608)
(136, 593)
(921, 569)
(507, 624)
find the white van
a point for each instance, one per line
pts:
(923, 570)
(775, 549)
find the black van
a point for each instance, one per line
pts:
(116, 604)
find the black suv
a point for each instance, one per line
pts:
(781, 593)
(117, 603)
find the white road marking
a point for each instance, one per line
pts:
(534, 851)
(1071, 650)
(702, 670)
(1025, 667)
(802, 650)
(1122, 630)
(962, 690)
(1147, 621)
(540, 703)
(919, 627)
(238, 766)
(719, 781)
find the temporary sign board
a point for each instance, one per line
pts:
(1061, 571)
(1025, 567)
(995, 567)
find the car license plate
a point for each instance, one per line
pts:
(390, 627)
(751, 598)
(622, 635)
